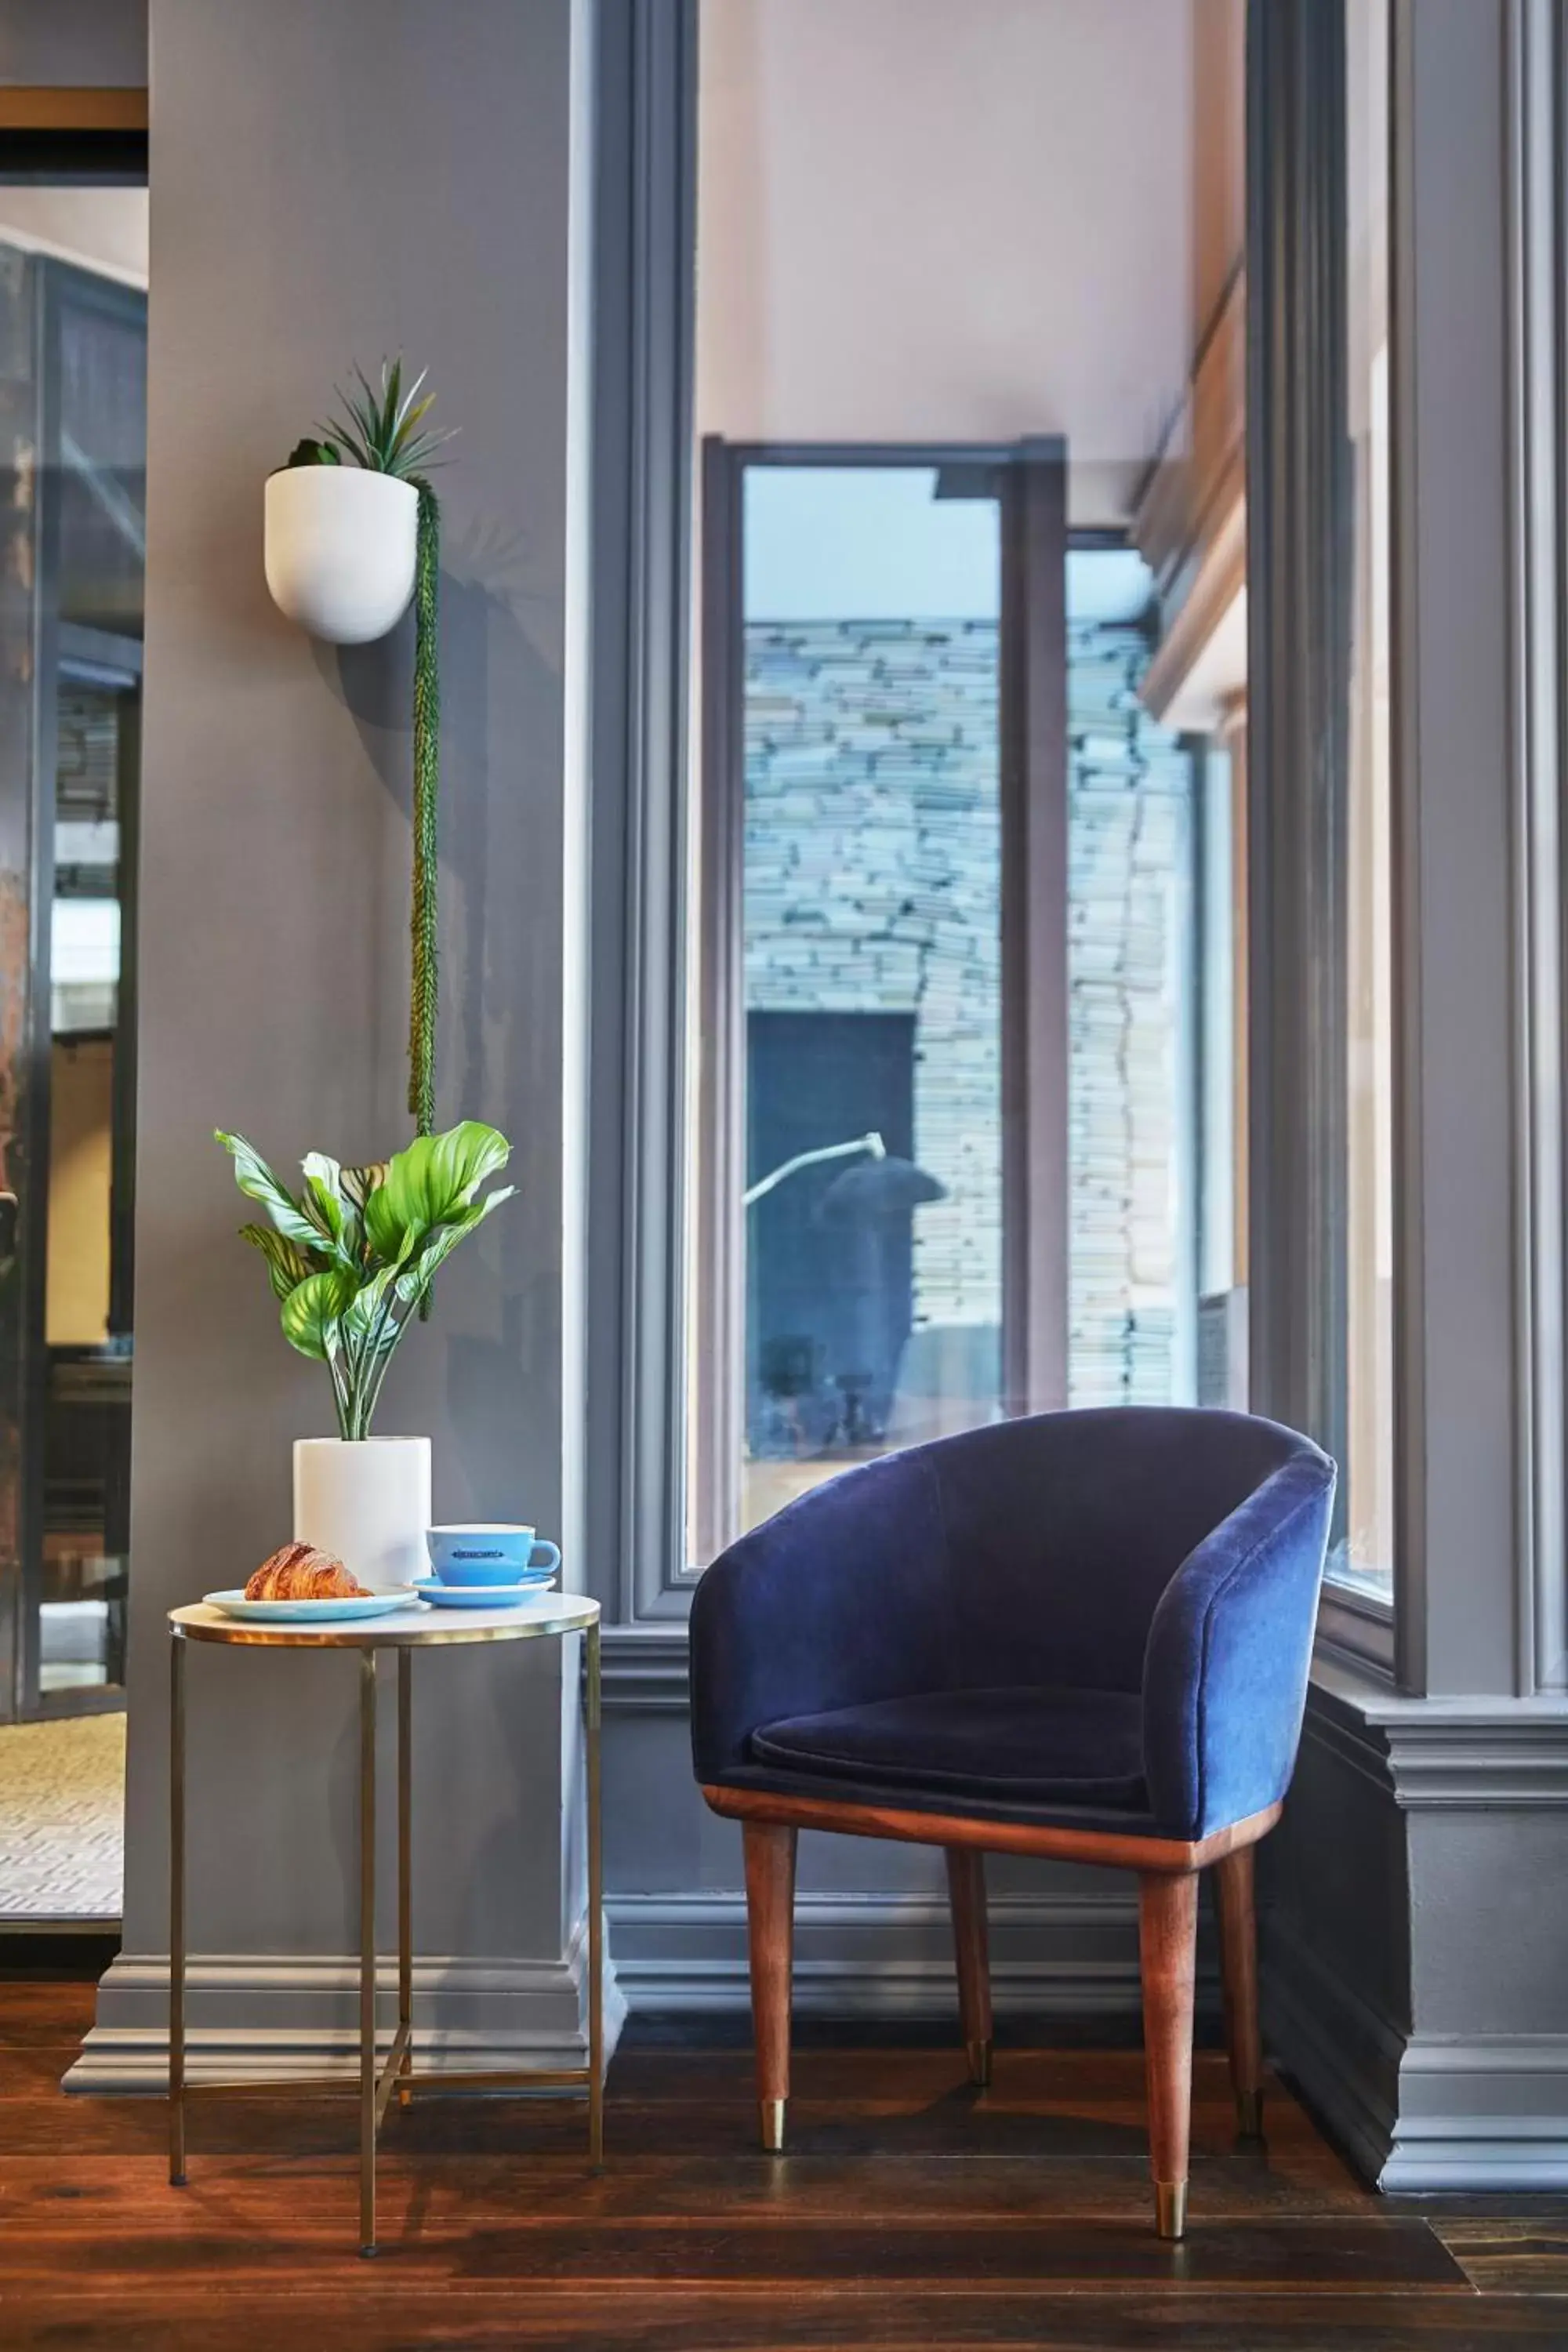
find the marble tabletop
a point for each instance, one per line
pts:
(540, 1617)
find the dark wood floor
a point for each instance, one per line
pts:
(911, 2212)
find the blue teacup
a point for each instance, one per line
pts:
(491, 1553)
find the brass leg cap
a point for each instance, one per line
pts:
(979, 2055)
(1249, 2113)
(1171, 2208)
(771, 2112)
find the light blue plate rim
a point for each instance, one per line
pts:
(380, 1602)
(480, 1596)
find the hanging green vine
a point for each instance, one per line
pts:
(384, 429)
(427, 784)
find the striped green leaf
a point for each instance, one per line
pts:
(311, 1315)
(257, 1183)
(287, 1265)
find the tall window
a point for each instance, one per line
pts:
(872, 951)
(1133, 1004)
(965, 1014)
(73, 438)
(878, 778)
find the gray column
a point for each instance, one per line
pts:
(1454, 981)
(1419, 1883)
(331, 185)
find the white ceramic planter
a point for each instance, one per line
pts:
(339, 547)
(368, 1501)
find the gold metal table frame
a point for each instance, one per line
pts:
(548, 1616)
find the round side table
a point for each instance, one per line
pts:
(547, 1617)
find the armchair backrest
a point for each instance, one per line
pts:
(1031, 1551)
(1064, 1529)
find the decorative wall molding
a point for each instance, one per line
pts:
(1441, 1753)
(1488, 1762)
(885, 1955)
(1488, 2112)
(1417, 2114)
(1332, 2045)
(1372, 1948)
(645, 1668)
(252, 2017)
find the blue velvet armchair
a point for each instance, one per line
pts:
(1086, 1636)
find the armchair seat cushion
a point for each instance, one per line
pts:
(1036, 1745)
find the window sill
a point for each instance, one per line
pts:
(1357, 1627)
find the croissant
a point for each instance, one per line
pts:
(298, 1572)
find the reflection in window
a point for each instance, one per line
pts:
(872, 947)
(871, 897)
(1129, 947)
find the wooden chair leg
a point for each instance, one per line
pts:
(966, 1897)
(770, 1917)
(1168, 1926)
(1238, 1968)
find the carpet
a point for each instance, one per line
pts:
(62, 1799)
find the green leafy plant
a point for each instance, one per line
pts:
(351, 1259)
(383, 430)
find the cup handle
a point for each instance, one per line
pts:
(554, 1550)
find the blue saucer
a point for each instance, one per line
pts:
(480, 1596)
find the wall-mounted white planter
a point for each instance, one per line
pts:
(338, 548)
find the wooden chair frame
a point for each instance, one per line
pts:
(1167, 1916)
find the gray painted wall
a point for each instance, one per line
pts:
(331, 184)
(77, 43)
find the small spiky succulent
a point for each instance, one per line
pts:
(378, 430)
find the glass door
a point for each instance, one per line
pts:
(69, 765)
(76, 1619)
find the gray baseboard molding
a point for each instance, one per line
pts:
(1484, 2113)
(256, 2017)
(1342, 2056)
(1453, 1804)
(882, 1954)
(1418, 2113)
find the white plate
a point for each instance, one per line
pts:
(481, 1596)
(379, 1602)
